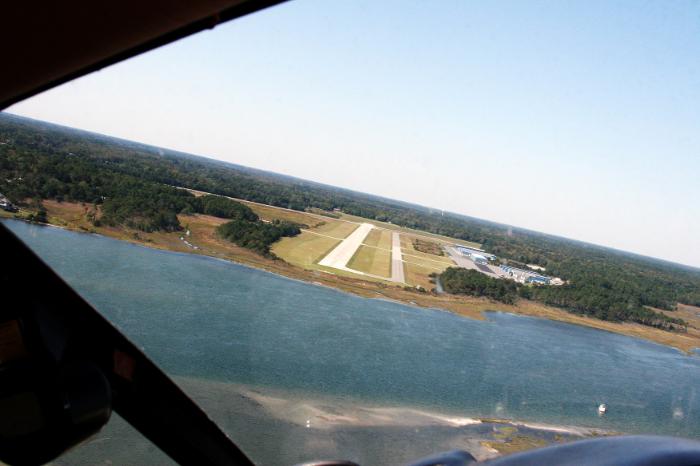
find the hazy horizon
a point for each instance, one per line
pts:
(577, 120)
(360, 192)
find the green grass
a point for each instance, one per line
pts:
(372, 260)
(304, 250)
(274, 213)
(335, 228)
(309, 247)
(418, 273)
(379, 238)
(418, 256)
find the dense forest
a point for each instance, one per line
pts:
(256, 235)
(136, 185)
(462, 281)
(579, 299)
(245, 228)
(29, 175)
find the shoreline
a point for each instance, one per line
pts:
(306, 426)
(327, 415)
(464, 306)
(363, 414)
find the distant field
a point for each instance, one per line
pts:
(335, 228)
(372, 260)
(267, 212)
(325, 213)
(391, 226)
(690, 314)
(71, 212)
(273, 213)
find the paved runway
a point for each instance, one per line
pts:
(397, 273)
(339, 257)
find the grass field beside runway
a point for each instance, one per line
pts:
(419, 265)
(379, 238)
(305, 249)
(372, 260)
(335, 229)
(373, 257)
(410, 253)
(309, 247)
(270, 213)
(417, 273)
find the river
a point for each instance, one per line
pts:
(210, 323)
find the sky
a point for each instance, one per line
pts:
(575, 118)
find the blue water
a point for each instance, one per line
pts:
(205, 318)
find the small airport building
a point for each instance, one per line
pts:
(479, 259)
(525, 276)
(477, 255)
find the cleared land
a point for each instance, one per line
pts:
(268, 212)
(690, 314)
(70, 216)
(272, 213)
(429, 247)
(410, 253)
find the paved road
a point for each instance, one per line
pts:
(397, 274)
(467, 263)
(339, 257)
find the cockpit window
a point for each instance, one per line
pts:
(376, 231)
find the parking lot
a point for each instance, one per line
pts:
(467, 263)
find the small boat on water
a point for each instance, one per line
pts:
(602, 408)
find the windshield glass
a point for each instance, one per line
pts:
(380, 230)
